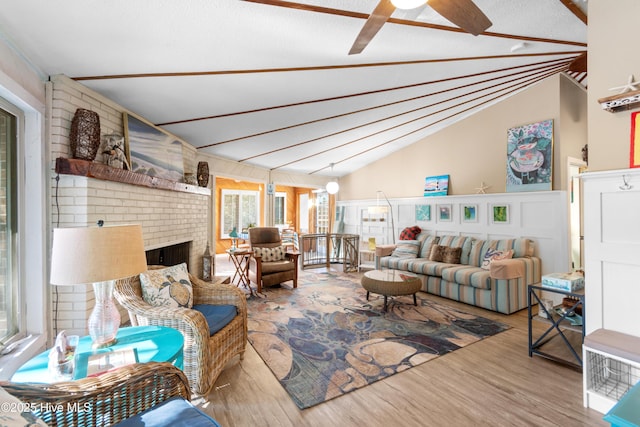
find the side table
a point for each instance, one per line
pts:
(240, 259)
(152, 344)
(367, 259)
(219, 279)
(560, 326)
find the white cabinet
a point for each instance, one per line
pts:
(612, 250)
(375, 223)
(367, 257)
(612, 266)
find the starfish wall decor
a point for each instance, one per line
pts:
(482, 188)
(629, 87)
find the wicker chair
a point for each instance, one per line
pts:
(204, 356)
(103, 400)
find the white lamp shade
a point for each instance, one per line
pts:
(407, 4)
(332, 187)
(96, 254)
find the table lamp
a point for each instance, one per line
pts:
(234, 237)
(100, 256)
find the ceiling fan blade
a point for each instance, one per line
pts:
(376, 20)
(463, 13)
(579, 65)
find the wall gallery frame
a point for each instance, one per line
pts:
(469, 213)
(436, 185)
(634, 154)
(499, 213)
(423, 212)
(530, 157)
(152, 151)
(445, 214)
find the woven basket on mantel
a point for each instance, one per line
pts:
(84, 136)
(203, 174)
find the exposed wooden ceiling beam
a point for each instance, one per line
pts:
(501, 85)
(314, 68)
(217, 116)
(375, 147)
(575, 10)
(579, 64)
(538, 66)
(339, 12)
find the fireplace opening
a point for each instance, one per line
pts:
(169, 255)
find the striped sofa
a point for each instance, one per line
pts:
(501, 288)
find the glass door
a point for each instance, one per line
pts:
(8, 227)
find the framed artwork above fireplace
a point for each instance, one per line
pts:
(152, 151)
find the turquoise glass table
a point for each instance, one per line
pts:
(626, 413)
(151, 343)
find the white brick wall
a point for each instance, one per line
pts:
(167, 217)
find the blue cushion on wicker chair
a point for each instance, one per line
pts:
(218, 316)
(175, 412)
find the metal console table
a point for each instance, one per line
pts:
(559, 326)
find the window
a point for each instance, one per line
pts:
(303, 213)
(322, 212)
(9, 291)
(25, 230)
(280, 217)
(239, 209)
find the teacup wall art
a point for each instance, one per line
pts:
(530, 157)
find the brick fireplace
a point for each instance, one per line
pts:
(168, 218)
(168, 215)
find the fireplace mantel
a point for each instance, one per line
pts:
(101, 171)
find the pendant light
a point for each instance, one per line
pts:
(332, 186)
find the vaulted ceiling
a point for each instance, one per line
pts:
(271, 83)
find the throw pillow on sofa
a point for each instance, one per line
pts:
(446, 254)
(451, 255)
(436, 253)
(406, 249)
(167, 287)
(493, 254)
(454, 241)
(410, 233)
(428, 242)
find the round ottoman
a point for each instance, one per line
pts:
(391, 283)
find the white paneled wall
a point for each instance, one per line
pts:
(540, 216)
(612, 250)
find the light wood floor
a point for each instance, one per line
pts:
(492, 382)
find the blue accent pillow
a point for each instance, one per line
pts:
(174, 412)
(217, 316)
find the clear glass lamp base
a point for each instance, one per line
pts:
(104, 320)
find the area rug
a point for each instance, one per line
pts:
(324, 339)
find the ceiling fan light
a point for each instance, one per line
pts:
(332, 187)
(407, 4)
(518, 46)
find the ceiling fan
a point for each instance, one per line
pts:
(463, 13)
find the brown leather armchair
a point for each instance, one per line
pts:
(266, 272)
